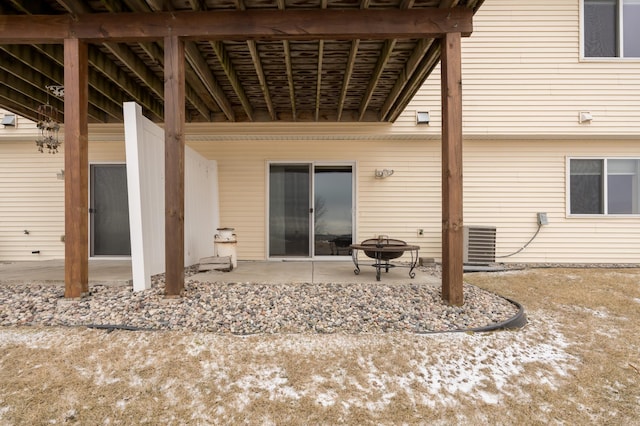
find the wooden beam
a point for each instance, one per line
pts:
(429, 62)
(329, 24)
(204, 74)
(292, 86)
(174, 90)
(76, 165)
(197, 89)
(16, 102)
(31, 67)
(323, 5)
(418, 53)
(75, 6)
(232, 75)
(257, 63)
(348, 72)
(26, 81)
(111, 71)
(319, 78)
(452, 224)
(424, 56)
(385, 54)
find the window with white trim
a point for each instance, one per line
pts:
(611, 28)
(606, 186)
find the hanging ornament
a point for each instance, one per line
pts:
(49, 127)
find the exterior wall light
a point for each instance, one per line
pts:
(422, 117)
(384, 173)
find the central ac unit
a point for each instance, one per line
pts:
(479, 245)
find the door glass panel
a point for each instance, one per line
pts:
(289, 204)
(109, 211)
(333, 190)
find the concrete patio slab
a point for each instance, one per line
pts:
(101, 271)
(272, 272)
(118, 272)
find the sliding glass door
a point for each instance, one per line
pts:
(310, 209)
(289, 210)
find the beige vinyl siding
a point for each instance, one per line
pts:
(32, 198)
(396, 206)
(507, 182)
(523, 76)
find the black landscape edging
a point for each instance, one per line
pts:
(517, 321)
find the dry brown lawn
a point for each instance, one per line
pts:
(576, 362)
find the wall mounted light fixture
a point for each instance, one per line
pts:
(384, 173)
(422, 117)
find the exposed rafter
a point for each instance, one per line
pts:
(317, 60)
(199, 76)
(385, 54)
(200, 67)
(292, 88)
(257, 63)
(255, 56)
(419, 52)
(232, 75)
(319, 78)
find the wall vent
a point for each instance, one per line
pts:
(479, 245)
(9, 120)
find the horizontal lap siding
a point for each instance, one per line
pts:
(396, 206)
(508, 182)
(32, 198)
(523, 76)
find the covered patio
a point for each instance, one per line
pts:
(113, 272)
(235, 61)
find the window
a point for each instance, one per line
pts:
(611, 28)
(604, 186)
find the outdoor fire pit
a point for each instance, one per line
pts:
(382, 250)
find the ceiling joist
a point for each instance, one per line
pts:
(245, 60)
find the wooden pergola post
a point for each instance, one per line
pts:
(174, 114)
(452, 224)
(76, 165)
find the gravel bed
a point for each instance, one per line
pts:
(249, 308)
